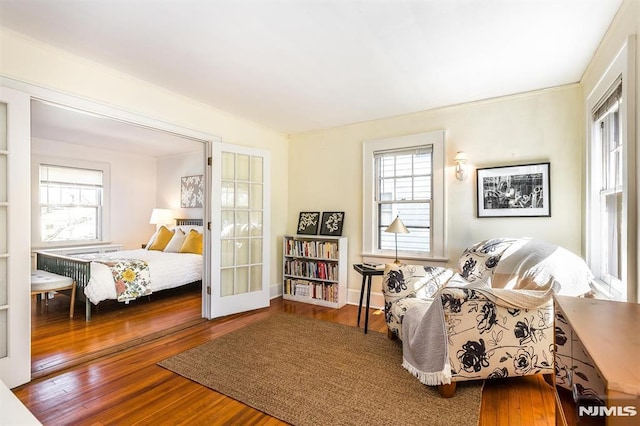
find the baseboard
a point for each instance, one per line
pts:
(353, 296)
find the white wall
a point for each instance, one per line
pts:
(169, 171)
(133, 187)
(34, 62)
(326, 166)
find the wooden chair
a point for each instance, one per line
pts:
(43, 282)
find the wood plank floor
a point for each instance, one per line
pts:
(105, 373)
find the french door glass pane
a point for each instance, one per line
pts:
(242, 195)
(256, 278)
(3, 281)
(242, 251)
(256, 169)
(227, 252)
(3, 181)
(228, 166)
(256, 250)
(228, 224)
(3, 127)
(256, 196)
(3, 334)
(256, 224)
(227, 195)
(3, 230)
(226, 282)
(242, 223)
(242, 167)
(242, 280)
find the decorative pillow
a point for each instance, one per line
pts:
(479, 260)
(538, 265)
(176, 242)
(192, 243)
(162, 239)
(419, 281)
(151, 240)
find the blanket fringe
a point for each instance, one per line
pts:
(429, 378)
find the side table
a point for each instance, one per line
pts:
(366, 273)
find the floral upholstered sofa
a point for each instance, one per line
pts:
(490, 318)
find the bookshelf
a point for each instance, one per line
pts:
(315, 269)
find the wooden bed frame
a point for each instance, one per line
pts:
(80, 269)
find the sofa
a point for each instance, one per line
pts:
(491, 317)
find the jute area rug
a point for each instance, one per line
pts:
(311, 372)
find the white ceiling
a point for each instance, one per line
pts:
(297, 66)
(53, 122)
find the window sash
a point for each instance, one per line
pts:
(404, 188)
(71, 204)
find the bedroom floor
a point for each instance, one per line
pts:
(107, 372)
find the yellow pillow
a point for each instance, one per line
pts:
(193, 243)
(162, 239)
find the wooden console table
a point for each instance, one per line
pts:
(608, 333)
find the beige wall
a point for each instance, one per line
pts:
(39, 64)
(326, 166)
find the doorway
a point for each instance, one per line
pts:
(145, 166)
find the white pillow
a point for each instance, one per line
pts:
(176, 242)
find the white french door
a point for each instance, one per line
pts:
(15, 237)
(240, 224)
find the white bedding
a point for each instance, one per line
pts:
(167, 270)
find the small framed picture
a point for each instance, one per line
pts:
(514, 191)
(192, 191)
(332, 223)
(308, 223)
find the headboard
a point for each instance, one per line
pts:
(189, 222)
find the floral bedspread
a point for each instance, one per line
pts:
(131, 277)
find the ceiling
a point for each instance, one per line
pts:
(297, 66)
(57, 123)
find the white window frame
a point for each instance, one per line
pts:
(622, 66)
(105, 232)
(438, 247)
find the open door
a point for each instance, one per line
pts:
(15, 237)
(240, 224)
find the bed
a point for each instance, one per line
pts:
(94, 273)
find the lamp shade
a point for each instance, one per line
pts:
(460, 157)
(397, 227)
(161, 217)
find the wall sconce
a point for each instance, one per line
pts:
(462, 170)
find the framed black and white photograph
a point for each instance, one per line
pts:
(192, 191)
(332, 223)
(514, 191)
(308, 223)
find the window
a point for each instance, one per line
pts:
(608, 156)
(404, 177)
(70, 204)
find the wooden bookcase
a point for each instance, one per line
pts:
(315, 269)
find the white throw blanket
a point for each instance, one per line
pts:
(424, 339)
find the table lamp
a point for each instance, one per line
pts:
(397, 227)
(161, 217)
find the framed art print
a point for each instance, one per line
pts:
(332, 223)
(192, 191)
(514, 191)
(308, 223)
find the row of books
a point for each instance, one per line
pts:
(320, 270)
(312, 290)
(319, 249)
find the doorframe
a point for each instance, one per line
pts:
(113, 112)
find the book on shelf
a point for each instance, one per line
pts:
(374, 265)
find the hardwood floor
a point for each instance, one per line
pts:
(105, 373)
